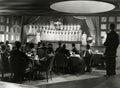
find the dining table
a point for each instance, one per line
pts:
(76, 63)
(97, 59)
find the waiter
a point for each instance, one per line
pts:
(111, 43)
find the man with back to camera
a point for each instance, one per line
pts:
(19, 63)
(111, 43)
(59, 47)
(74, 49)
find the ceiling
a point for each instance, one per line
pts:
(36, 7)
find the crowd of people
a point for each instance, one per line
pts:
(17, 58)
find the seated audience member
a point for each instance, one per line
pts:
(38, 46)
(74, 49)
(32, 49)
(8, 46)
(19, 62)
(42, 52)
(27, 47)
(44, 55)
(4, 59)
(64, 50)
(50, 49)
(23, 48)
(88, 58)
(59, 47)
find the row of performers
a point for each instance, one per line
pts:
(33, 28)
(54, 35)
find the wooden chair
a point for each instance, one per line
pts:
(47, 67)
(41, 53)
(28, 74)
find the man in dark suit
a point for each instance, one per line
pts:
(42, 52)
(65, 51)
(19, 62)
(111, 43)
(58, 49)
(74, 49)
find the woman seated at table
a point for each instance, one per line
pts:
(74, 52)
(44, 56)
(74, 49)
(88, 58)
(50, 49)
(65, 51)
(44, 53)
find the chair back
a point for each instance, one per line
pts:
(75, 61)
(41, 53)
(5, 62)
(48, 64)
(61, 60)
(17, 63)
(47, 67)
(77, 64)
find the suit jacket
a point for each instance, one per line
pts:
(75, 50)
(42, 52)
(19, 60)
(5, 62)
(64, 51)
(111, 43)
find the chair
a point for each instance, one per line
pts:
(5, 64)
(61, 61)
(41, 53)
(28, 74)
(10, 66)
(76, 64)
(18, 67)
(47, 67)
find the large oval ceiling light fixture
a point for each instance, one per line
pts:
(82, 6)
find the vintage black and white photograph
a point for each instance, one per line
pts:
(59, 43)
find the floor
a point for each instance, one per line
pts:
(88, 80)
(95, 79)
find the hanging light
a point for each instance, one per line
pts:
(80, 17)
(83, 6)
